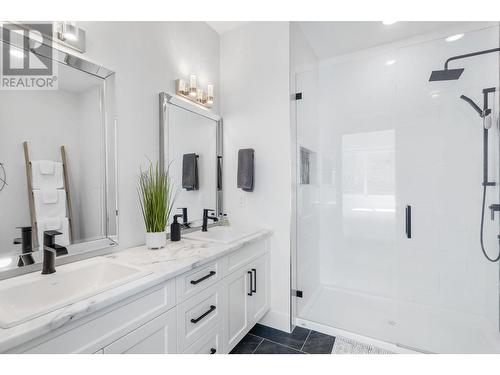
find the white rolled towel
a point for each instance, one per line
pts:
(61, 224)
(47, 174)
(44, 210)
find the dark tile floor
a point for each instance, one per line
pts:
(265, 340)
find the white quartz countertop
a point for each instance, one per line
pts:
(161, 265)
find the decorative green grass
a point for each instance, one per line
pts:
(156, 197)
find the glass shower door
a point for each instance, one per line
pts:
(448, 292)
(346, 198)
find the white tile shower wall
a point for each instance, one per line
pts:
(256, 110)
(147, 57)
(439, 278)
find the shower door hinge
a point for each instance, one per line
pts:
(297, 293)
(298, 96)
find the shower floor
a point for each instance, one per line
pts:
(409, 325)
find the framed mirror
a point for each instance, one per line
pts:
(58, 163)
(191, 149)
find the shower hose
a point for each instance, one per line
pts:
(482, 230)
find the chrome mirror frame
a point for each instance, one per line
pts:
(166, 101)
(109, 242)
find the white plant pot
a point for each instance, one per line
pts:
(156, 240)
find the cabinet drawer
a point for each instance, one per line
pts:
(199, 279)
(198, 315)
(98, 330)
(157, 336)
(243, 256)
(211, 343)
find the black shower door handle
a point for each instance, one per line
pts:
(408, 221)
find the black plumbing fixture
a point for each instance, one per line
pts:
(453, 74)
(25, 259)
(50, 251)
(185, 221)
(206, 217)
(484, 113)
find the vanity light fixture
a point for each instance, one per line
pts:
(70, 35)
(390, 62)
(191, 91)
(210, 94)
(388, 23)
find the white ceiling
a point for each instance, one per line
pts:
(224, 26)
(329, 39)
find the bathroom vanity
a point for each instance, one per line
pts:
(194, 296)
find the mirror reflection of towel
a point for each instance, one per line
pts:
(246, 172)
(190, 172)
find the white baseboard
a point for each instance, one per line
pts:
(277, 320)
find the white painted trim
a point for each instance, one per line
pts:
(277, 320)
(354, 336)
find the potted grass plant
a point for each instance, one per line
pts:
(156, 198)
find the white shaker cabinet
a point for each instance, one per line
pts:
(205, 310)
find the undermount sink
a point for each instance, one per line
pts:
(29, 296)
(220, 234)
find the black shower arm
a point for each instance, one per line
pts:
(470, 55)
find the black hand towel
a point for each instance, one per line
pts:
(246, 170)
(190, 172)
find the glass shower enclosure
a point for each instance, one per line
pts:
(387, 191)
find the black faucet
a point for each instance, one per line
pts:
(206, 217)
(26, 258)
(50, 251)
(185, 222)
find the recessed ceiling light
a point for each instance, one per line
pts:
(455, 37)
(16, 52)
(387, 23)
(390, 62)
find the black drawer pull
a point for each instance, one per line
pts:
(213, 351)
(212, 308)
(251, 283)
(194, 282)
(254, 288)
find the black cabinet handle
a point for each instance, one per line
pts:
(408, 221)
(251, 283)
(212, 308)
(213, 351)
(194, 282)
(254, 288)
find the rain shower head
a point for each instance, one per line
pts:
(446, 74)
(453, 74)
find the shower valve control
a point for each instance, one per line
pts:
(493, 208)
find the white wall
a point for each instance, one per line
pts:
(147, 57)
(254, 67)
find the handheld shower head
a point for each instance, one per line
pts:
(474, 105)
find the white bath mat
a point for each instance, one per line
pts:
(344, 345)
